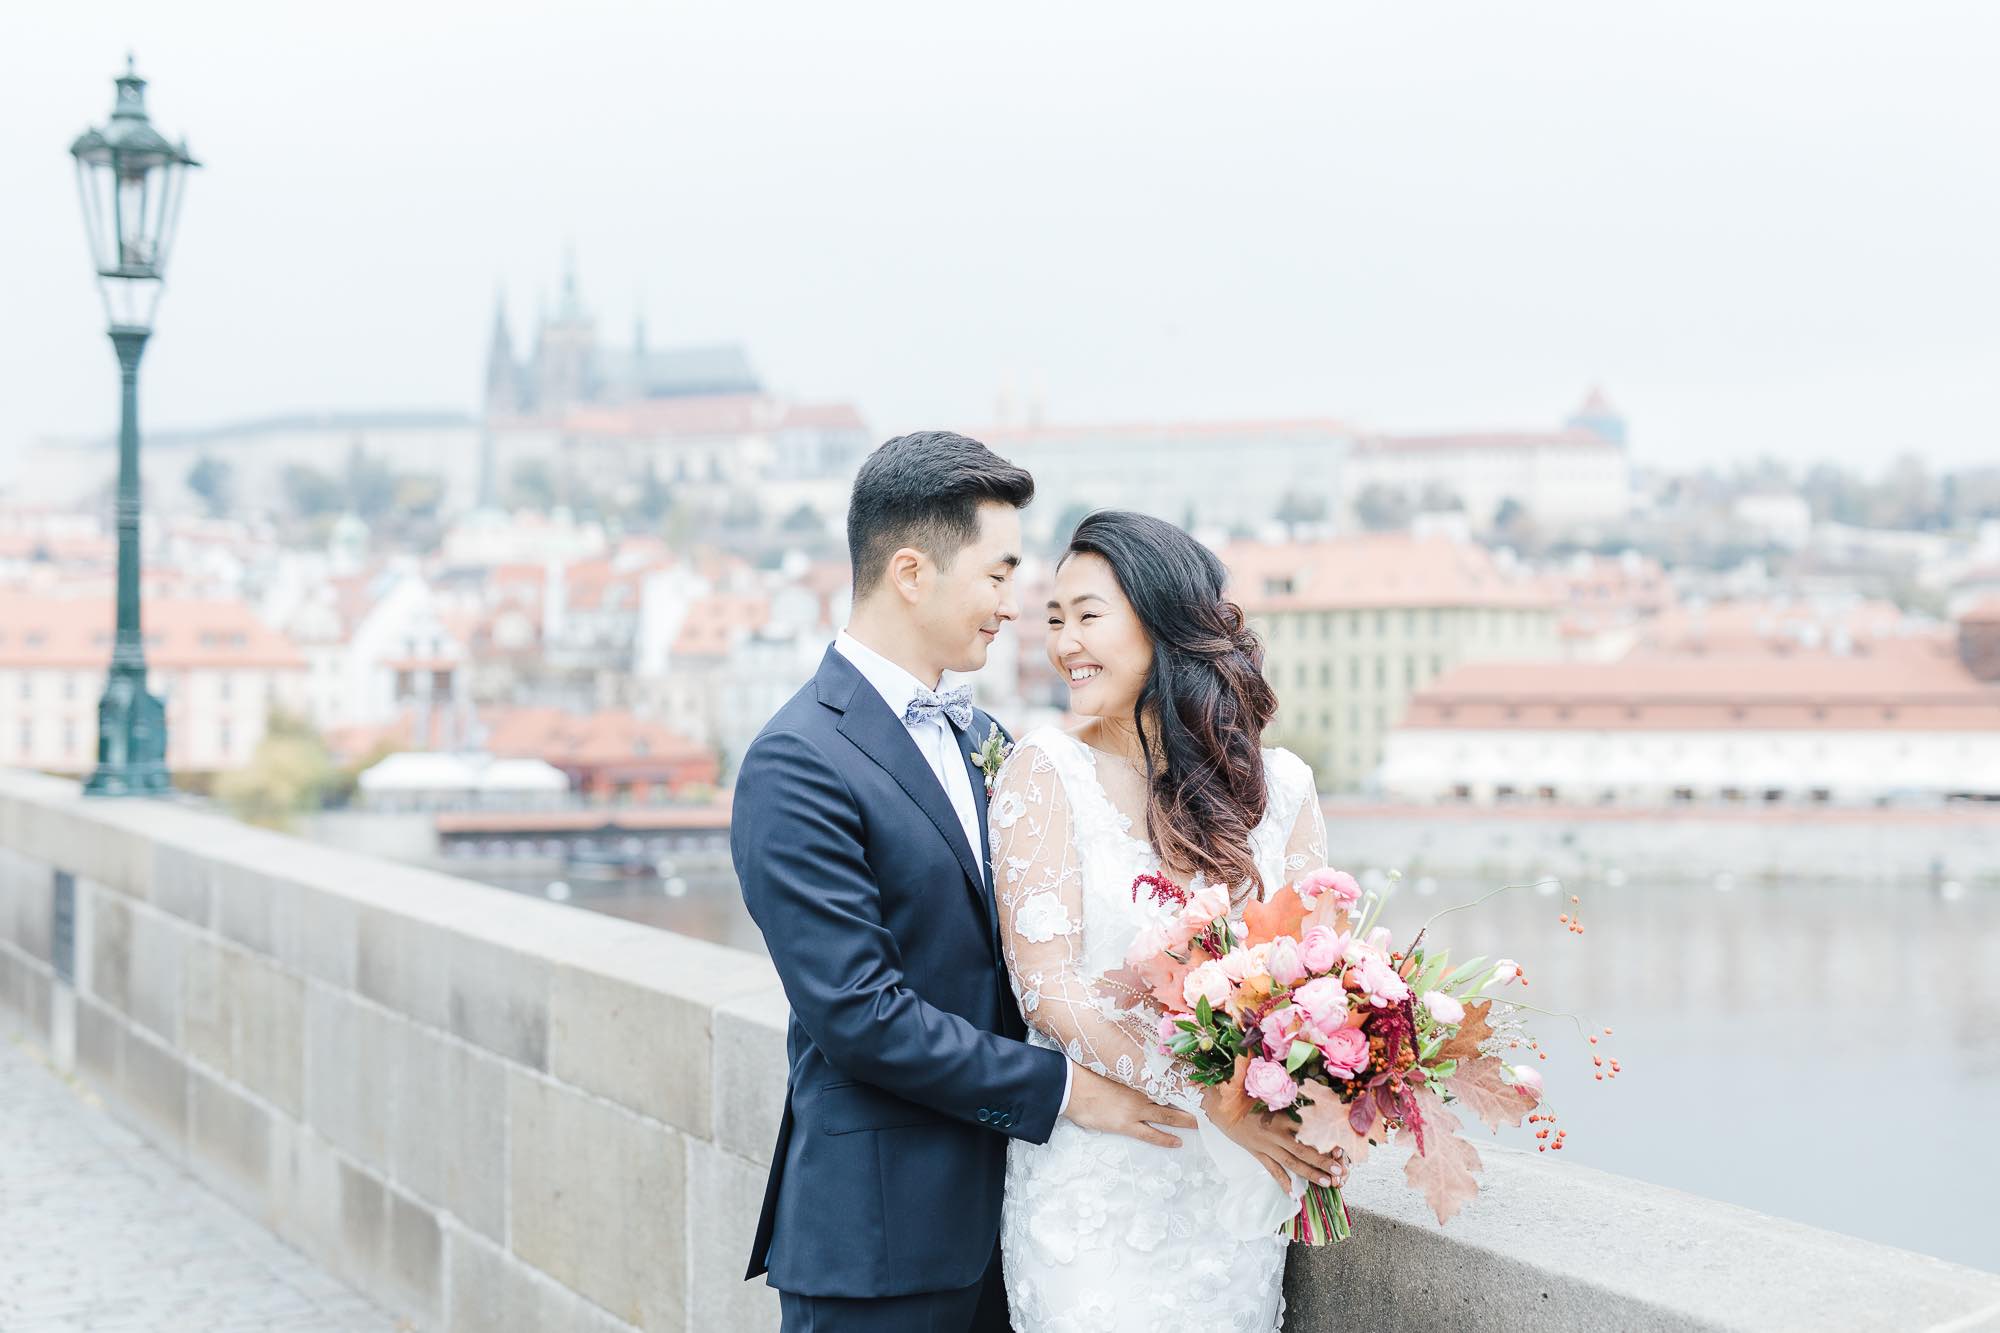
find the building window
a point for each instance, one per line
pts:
(222, 687)
(69, 685)
(69, 737)
(1353, 673)
(1326, 719)
(1410, 672)
(27, 686)
(1354, 717)
(1299, 675)
(222, 739)
(1381, 717)
(1437, 620)
(1326, 674)
(1381, 671)
(1437, 665)
(1409, 622)
(27, 739)
(1381, 624)
(1325, 625)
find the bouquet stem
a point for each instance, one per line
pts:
(1322, 1218)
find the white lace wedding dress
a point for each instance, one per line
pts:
(1101, 1233)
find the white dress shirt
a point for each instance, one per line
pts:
(938, 744)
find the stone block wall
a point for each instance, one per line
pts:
(499, 1115)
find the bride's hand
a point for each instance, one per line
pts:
(1273, 1141)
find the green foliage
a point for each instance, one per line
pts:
(289, 774)
(214, 481)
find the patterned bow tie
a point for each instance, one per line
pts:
(955, 704)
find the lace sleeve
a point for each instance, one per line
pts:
(1305, 849)
(1040, 877)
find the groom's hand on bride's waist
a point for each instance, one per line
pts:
(1099, 1103)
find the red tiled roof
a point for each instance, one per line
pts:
(576, 740)
(1381, 570)
(1921, 690)
(713, 623)
(181, 633)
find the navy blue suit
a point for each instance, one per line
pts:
(909, 1069)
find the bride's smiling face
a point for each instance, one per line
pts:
(1096, 642)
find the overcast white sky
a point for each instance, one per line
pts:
(1765, 227)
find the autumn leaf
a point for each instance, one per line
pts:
(1232, 1103)
(1265, 921)
(1163, 978)
(1479, 1085)
(1442, 1173)
(1464, 1044)
(1324, 1125)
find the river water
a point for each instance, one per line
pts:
(1829, 1054)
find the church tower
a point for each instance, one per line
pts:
(566, 351)
(503, 374)
(1599, 417)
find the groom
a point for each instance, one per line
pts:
(859, 836)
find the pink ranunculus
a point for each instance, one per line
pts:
(1345, 1050)
(1339, 883)
(1322, 948)
(1280, 1027)
(1504, 971)
(1324, 1001)
(1379, 940)
(1169, 1031)
(1380, 983)
(1208, 982)
(1268, 1082)
(1285, 961)
(1444, 1008)
(1528, 1077)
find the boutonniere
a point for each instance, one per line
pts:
(992, 753)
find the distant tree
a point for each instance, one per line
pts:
(1439, 498)
(1074, 513)
(214, 481)
(533, 484)
(653, 499)
(1382, 508)
(1511, 514)
(370, 483)
(289, 774)
(805, 521)
(1301, 507)
(309, 492)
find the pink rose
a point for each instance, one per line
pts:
(1324, 1001)
(1526, 1076)
(1268, 1083)
(1206, 907)
(1345, 1051)
(1444, 1008)
(1322, 949)
(1337, 882)
(1207, 982)
(1148, 944)
(1380, 983)
(1285, 961)
(1280, 1027)
(1170, 1031)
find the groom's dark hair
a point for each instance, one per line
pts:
(924, 491)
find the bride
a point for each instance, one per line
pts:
(1164, 777)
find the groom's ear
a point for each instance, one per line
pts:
(907, 571)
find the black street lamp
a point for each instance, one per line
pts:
(130, 179)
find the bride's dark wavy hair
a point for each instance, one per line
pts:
(1202, 712)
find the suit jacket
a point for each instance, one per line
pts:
(908, 1065)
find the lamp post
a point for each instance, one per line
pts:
(130, 179)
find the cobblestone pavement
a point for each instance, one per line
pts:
(101, 1231)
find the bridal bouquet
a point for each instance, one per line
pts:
(1306, 1010)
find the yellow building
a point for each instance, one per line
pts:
(1353, 627)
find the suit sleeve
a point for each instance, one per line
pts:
(797, 840)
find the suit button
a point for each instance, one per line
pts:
(1007, 1121)
(985, 1115)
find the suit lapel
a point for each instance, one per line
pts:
(881, 735)
(968, 742)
